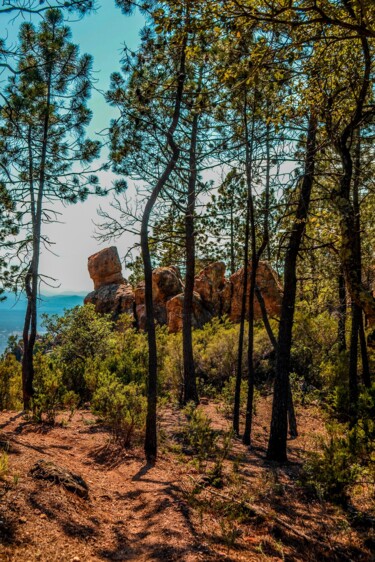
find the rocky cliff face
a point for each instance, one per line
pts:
(214, 295)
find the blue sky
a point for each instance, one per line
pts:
(101, 34)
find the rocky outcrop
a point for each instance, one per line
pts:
(269, 285)
(166, 284)
(214, 295)
(209, 284)
(113, 299)
(112, 294)
(175, 306)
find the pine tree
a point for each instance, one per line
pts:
(46, 155)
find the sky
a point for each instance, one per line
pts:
(101, 34)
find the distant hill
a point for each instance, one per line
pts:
(12, 312)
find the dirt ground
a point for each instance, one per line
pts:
(138, 512)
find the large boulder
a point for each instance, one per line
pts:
(105, 268)
(166, 283)
(209, 284)
(112, 294)
(140, 309)
(269, 285)
(175, 307)
(112, 299)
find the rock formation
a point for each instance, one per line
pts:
(105, 268)
(269, 285)
(175, 306)
(166, 284)
(112, 294)
(214, 295)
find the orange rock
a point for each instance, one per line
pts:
(175, 307)
(166, 283)
(214, 294)
(269, 285)
(112, 299)
(209, 283)
(105, 268)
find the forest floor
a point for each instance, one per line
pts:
(138, 512)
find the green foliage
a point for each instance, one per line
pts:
(199, 435)
(4, 465)
(50, 392)
(330, 474)
(10, 383)
(215, 351)
(77, 339)
(121, 407)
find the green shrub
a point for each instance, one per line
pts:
(122, 407)
(10, 383)
(78, 336)
(172, 370)
(199, 435)
(330, 474)
(49, 388)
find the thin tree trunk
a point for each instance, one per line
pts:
(237, 392)
(353, 363)
(292, 420)
(341, 328)
(31, 281)
(279, 424)
(357, 212)
(246, 438)
(150, 445)
(366, 375)
(255, 258)
(190, 387)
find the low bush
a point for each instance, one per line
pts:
(50, 392)
(121, 407)
(10, 383)
(199, 435)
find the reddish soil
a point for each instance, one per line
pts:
(137, 512)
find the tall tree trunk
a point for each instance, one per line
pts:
(350, 257)
(357, 212)
(366, 375)
(255, 258)
(279, 425)
(32, 277)
(150, 445)
(292, 420)
(249, 157)
(353, 363)
(341, 327)
(190, 387)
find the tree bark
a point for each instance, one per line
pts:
(279, 424)
(249, 156)
(150, 445)
(190, 387)
(341, 328)
(31, 280)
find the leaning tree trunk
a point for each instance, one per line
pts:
(151, 418)
(292, 420)
(279, 424)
